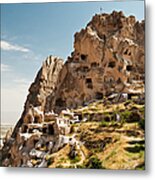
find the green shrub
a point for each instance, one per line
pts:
(103, 123)
(94, 163)
(75, 160)
(142, 124)
(140, 166)
(125, 116)
(50, 161)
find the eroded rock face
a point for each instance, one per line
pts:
(32, 125)
(45, 83)
(108, 58)
(39, 134)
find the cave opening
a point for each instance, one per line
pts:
(36, 119)
(50, 129)
(119, 80)
(88, 80)
(89, 83)
(126, 52)
(112, 64)
(31, 130)
(44, 129)
(99, 95)
(129, 68)
(83, 57)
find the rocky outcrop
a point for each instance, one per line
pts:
(39, 135)
(32, 123)
(108, 58)
(45, 83)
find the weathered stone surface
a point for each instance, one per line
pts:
(45, 83)
(108, 57)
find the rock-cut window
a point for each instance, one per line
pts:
(36, 119)
(89, 83)
(50, 129)
(88, 80)
(129, 68)
(83, 57)
(112, 64)
(99, 95)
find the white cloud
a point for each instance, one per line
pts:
(5, 68)
(12, 47)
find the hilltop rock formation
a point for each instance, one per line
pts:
(108, 58)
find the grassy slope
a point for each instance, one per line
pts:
(107, 143)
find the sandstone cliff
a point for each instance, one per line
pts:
(108, 58)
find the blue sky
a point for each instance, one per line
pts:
(31, 32)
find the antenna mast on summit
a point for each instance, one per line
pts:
(101, 9)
